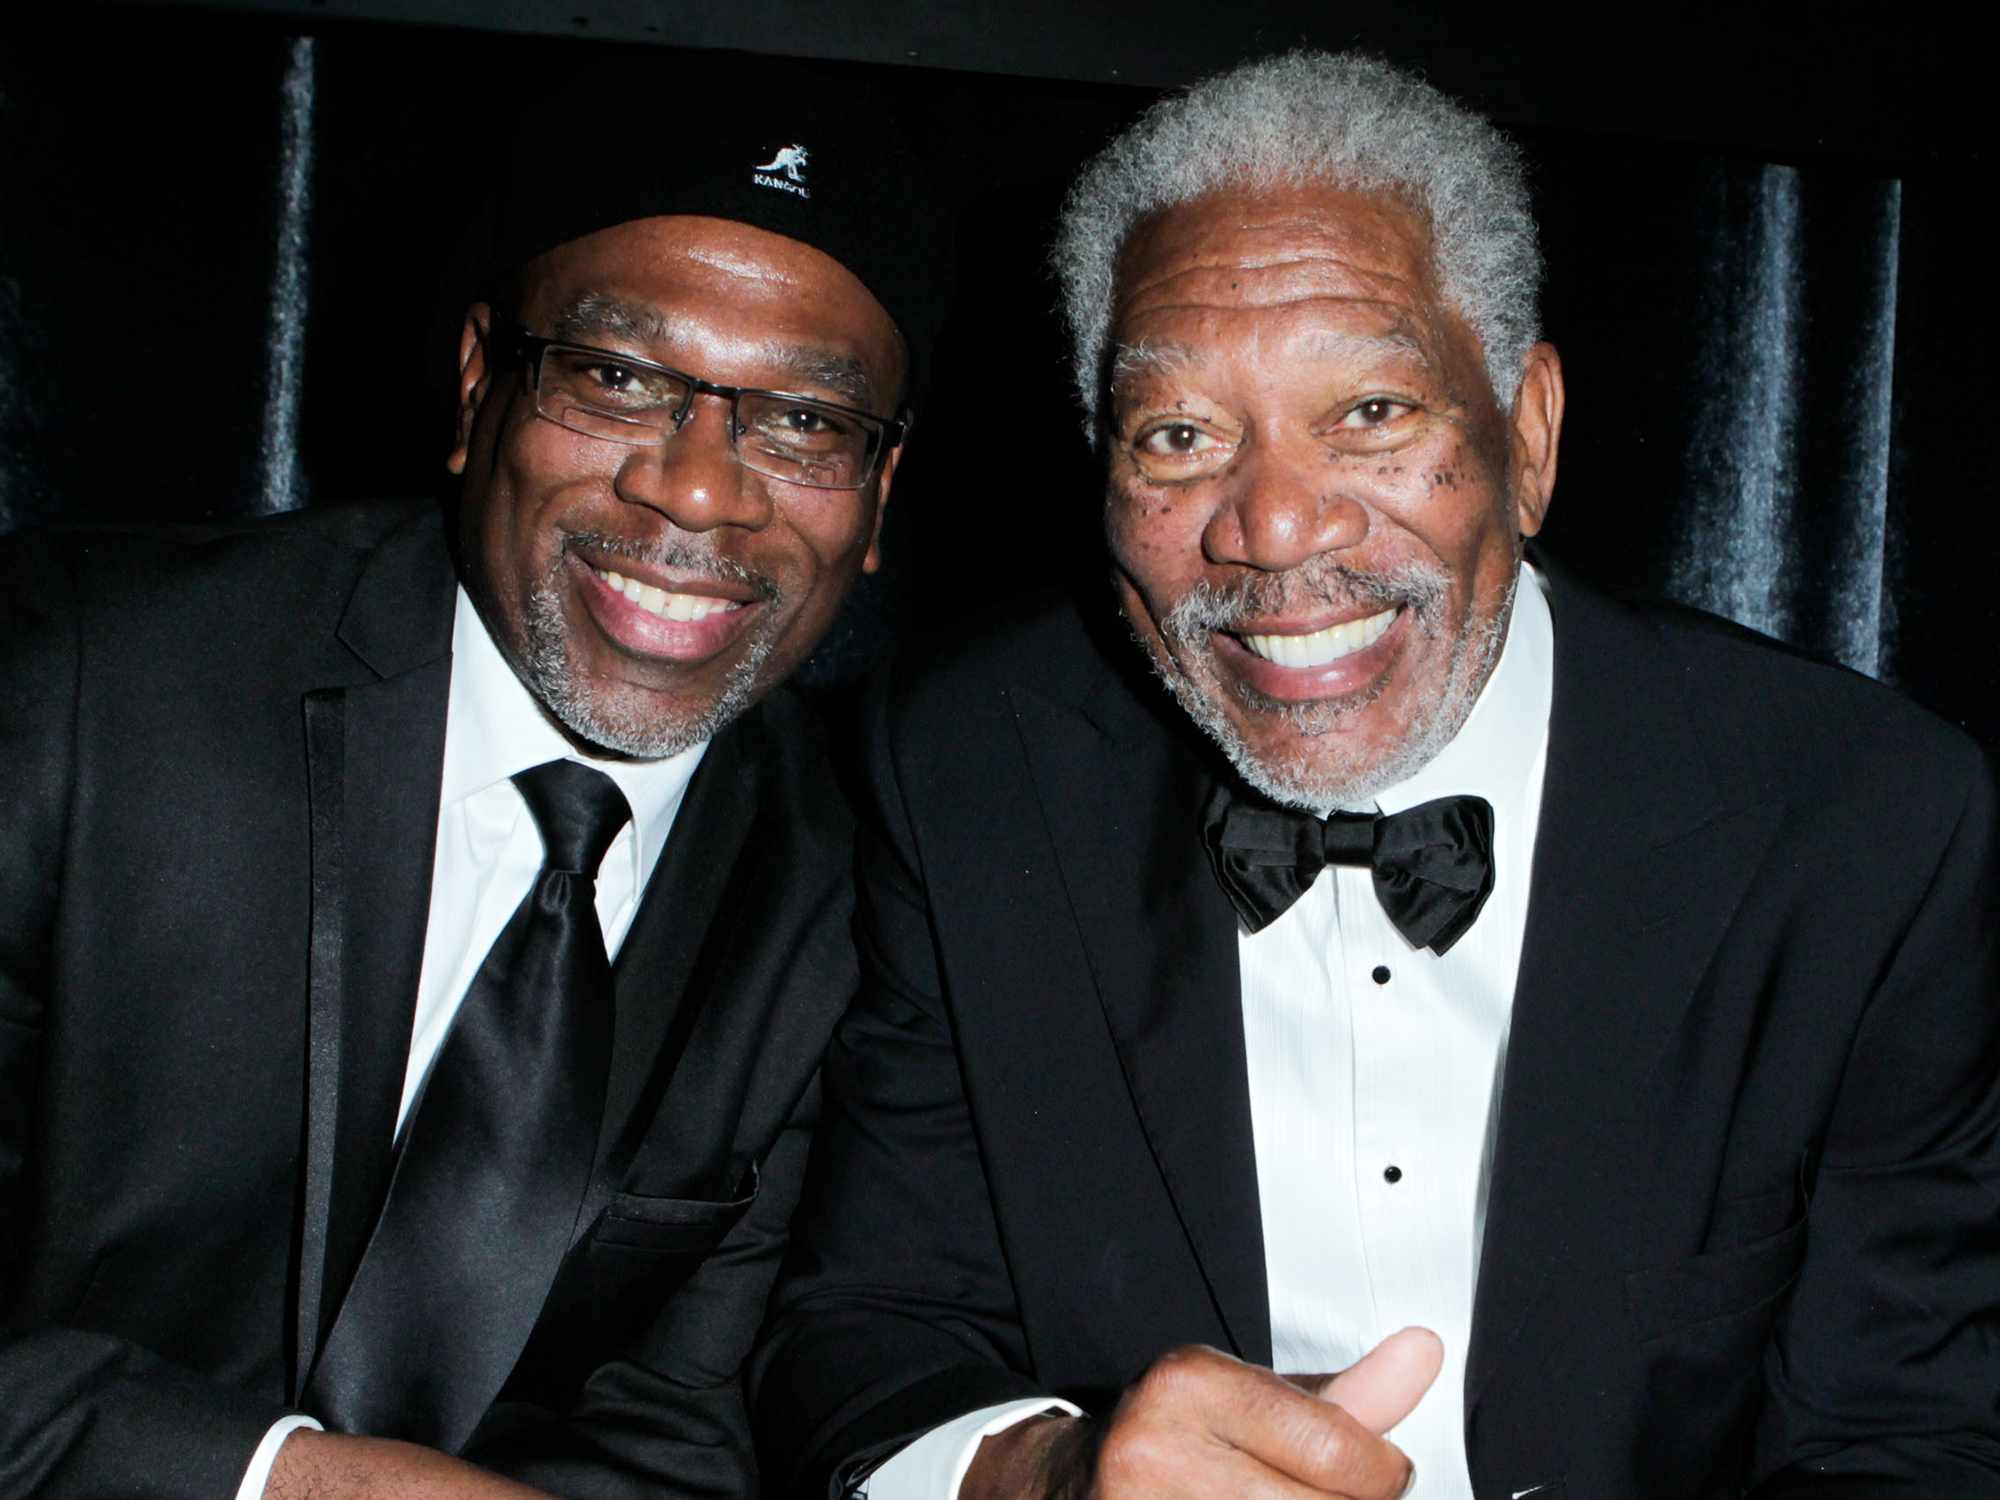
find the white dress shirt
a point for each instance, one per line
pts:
(489, 852)
(1374, 1076)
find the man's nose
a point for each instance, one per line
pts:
(1286, 504)
(694, 478)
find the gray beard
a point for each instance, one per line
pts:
(567, 694)
(1418, 588)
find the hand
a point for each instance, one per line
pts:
(335, 1466)
(1200, 1424)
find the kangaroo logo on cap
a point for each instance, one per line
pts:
(791, 160)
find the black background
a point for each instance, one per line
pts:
(140, 156)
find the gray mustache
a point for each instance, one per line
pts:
(1419, 587)
(683, 557)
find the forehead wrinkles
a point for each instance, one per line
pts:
(1167, 357)
(1196, 282)
(1305, 305)
(1351, 261)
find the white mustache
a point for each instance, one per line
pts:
(1420, 588)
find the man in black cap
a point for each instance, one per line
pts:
(418, 932)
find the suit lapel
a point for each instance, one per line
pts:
(656, 1005)
(375, 748)
(1123, 798)
(1639, 860)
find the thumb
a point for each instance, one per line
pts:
(1384, 1386)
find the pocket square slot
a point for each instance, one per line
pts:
(1715, 1285)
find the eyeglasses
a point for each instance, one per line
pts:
(604, 394)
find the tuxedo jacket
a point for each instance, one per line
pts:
(220, 760)
(1744, 1216)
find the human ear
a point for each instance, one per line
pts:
(872, 560)
(1537, 431)
(475, 368)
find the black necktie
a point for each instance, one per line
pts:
(1433, 864)
(496, 1156)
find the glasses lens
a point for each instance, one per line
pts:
(804, 442)
(590, 391)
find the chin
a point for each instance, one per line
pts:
(644, 726)
(644, 736)
(1321, 783)
(1316, 772)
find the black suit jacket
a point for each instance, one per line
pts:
(1744, 1223)
(219, 765)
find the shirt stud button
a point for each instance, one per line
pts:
(1392, 1174)
(1381, 974)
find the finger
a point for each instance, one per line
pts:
(1246, 1478)
(1205, 1470)
(1388, 1381)
(1333, 1454)
(1285, 1430)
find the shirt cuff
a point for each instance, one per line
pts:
(259, 1472)
(932, 1467)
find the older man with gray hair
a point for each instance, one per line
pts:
(1574, 1023)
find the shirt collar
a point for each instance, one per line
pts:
(1496, 752)
(495, 727)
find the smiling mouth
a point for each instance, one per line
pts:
(1322, 647)
(668, 606)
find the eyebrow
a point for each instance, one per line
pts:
(1146, 357)
(597, 315)
(843, 374)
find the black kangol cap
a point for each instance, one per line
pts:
(802, 152)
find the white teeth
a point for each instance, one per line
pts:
(657, 601)
(1322, 646)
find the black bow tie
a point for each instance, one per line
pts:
(1433, 864)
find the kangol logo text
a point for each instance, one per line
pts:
(791, 162)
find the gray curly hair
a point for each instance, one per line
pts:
(1303, 116)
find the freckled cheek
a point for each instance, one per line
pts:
(1443, 496)
(1124, 522)
(1143, 591)
(1396, 489)
(1143, 609)
(1153, 537)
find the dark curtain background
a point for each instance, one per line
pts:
(223, 242)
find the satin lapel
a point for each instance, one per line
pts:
(1123, 801)
(326, 770)
(1640, 857)
(375, 750)
(655, 1010)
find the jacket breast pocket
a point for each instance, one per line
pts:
(633, 1222)
(1719, 1284)
(1701, 1326)
(613, 1284)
